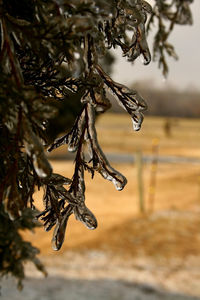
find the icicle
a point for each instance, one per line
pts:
(59, 231)
(101, 163)
(59, 234)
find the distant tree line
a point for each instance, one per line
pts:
(168, 102)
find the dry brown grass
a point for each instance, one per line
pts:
(173, 228)
(115, 134)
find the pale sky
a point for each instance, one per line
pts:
(183, 73)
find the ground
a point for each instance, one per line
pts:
(150, 255)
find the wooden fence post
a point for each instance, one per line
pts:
(154, 165)
(139, 164)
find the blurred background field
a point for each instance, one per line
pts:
(177, 186)
(159, 246)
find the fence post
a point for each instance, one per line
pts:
(139, 164)
(154, 165)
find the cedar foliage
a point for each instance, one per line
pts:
(52, 50)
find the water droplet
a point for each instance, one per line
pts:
(136, 125)
(118, 185)
(76, 55)
(137, 121)
(146, 58)
(72, 148)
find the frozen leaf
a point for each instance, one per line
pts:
(73, 137)
(100, 163)
(84, 215)
(129, 99)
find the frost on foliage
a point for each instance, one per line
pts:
(51, 50)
